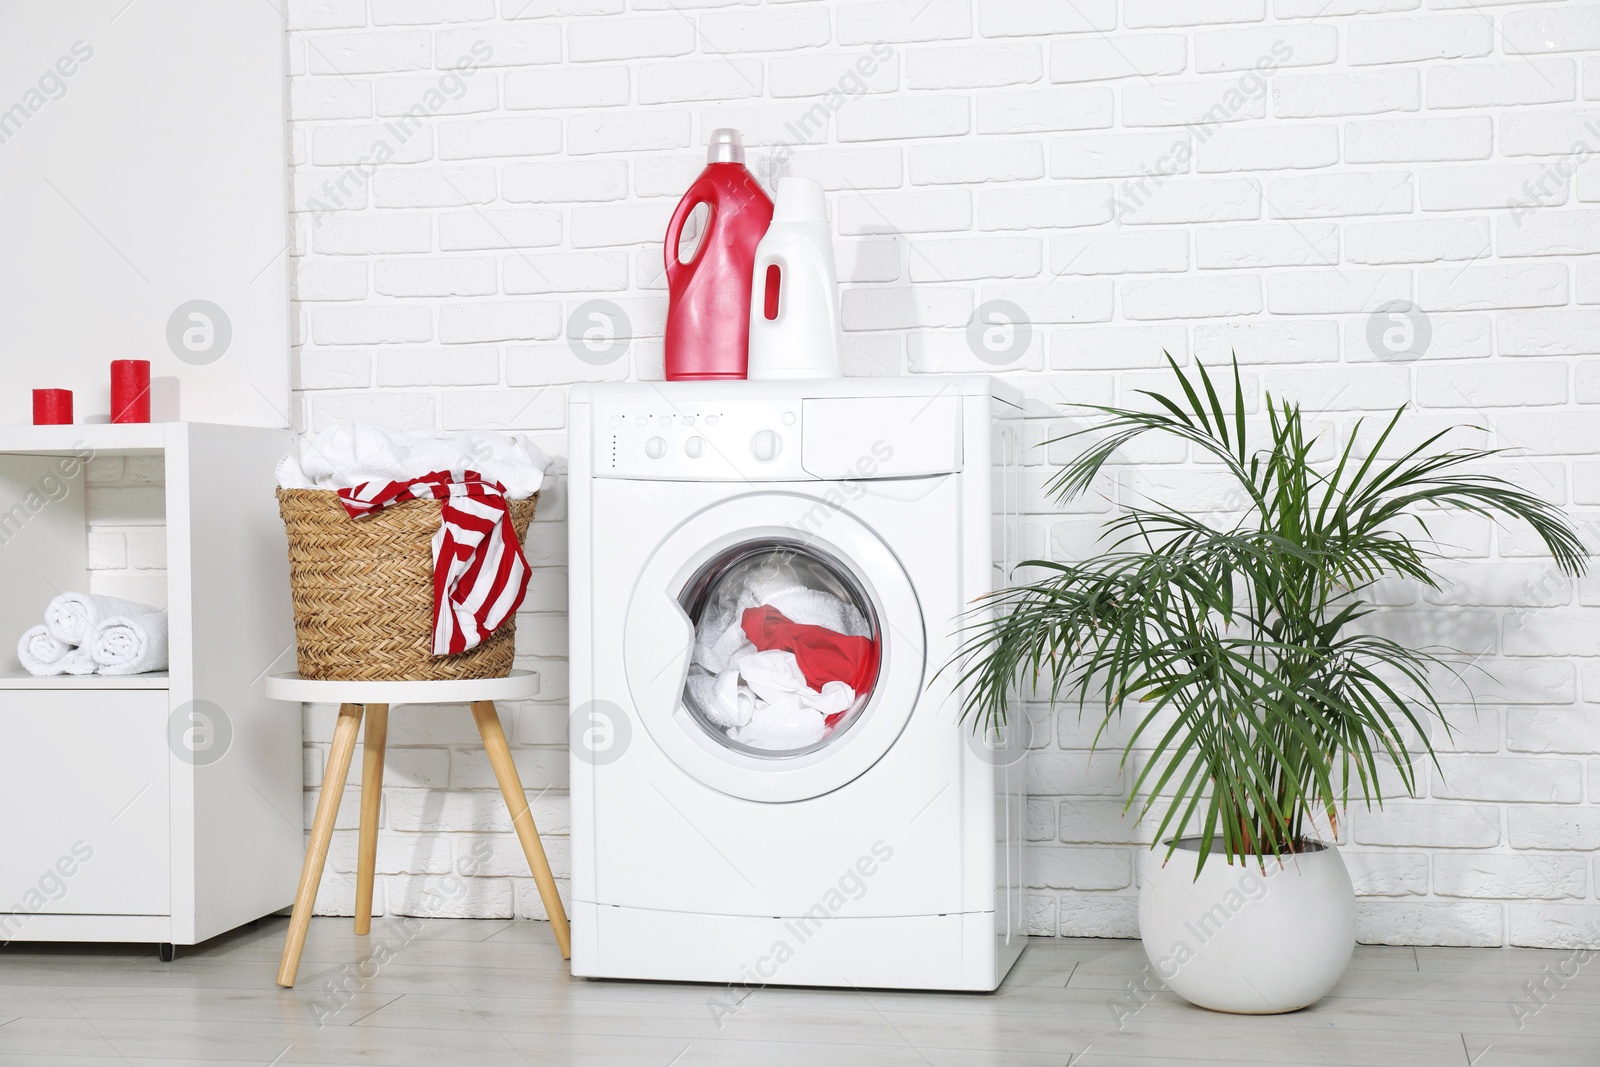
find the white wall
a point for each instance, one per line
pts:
(105, 189)
(1316, 159)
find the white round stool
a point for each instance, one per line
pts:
(374, 698)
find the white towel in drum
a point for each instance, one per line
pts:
(787, 713)
(131, 645)
(719, 637)
(720, 641)
(720, 697)
(800, 603)
(73, 617)
(786, 723)
(41, 654)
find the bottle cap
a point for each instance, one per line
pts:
(726, 147)
(799, 200)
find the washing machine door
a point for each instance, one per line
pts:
(685, 634)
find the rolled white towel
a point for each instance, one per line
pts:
(41, 654)
(124, 645)
(78, 662)
(73, 617)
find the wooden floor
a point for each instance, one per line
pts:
(446, 992)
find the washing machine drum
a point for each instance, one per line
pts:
(771, 665)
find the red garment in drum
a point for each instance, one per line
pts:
(824, 655)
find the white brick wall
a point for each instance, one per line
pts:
(126, 510)
(1256, 176)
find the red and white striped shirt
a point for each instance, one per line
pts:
(479, 572)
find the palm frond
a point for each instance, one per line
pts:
(1259, 700)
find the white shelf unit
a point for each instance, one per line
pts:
(111, 828)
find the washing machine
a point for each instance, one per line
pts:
(887, 853)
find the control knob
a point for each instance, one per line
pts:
(765, 446)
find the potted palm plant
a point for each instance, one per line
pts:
(1260, 700)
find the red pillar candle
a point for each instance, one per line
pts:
(130, 390)
(52, 407)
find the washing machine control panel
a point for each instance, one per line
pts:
(710, 441)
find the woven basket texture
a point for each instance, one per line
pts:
(363, 592)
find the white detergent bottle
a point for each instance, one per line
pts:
(794, 301)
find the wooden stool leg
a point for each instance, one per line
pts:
(344, 745)
(372, 746)
(505, 771)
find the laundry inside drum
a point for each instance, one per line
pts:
(787, 648)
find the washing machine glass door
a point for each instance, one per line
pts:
(771, 664)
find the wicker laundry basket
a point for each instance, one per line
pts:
(363, 592)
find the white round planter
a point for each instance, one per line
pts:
(1256, 938)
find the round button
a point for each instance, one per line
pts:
(712, 420)
(765, 446)
(616, 420)
(695, 447)
(788, 418)
(656, 447)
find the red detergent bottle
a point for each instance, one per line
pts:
(708, 316)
